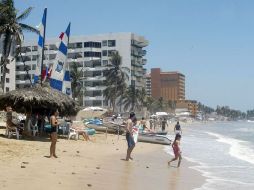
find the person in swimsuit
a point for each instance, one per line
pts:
(53, 134)
(129, 135)
(177, 151)
(164, 124)
(177, 128)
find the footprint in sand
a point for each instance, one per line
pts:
(147, 166)
(23, 166)
(89, 185)
(73, 173)
(98, 168)
(77, 151)
(25, 162)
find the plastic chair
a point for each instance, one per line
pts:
(35, 130)
(10, 132)
(73, 132)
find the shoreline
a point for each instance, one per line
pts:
(91, 165)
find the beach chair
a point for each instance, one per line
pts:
(63, 129)
(73, 132)
(34, 130)
(12, 132)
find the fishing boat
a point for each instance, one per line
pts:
(154, 138)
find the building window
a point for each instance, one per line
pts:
(111, 43)
(110, 52)
(104, 53)
(79, 45)
(33, 67)
(7, 71)
(104, 62)
(7, 89)
(34, 57)
(7, 80)
(92, 54)
(92, 44)
(133, 82)
(104, 43)
(34, 48)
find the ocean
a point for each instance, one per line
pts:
(223, 152)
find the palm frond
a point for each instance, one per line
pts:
(25, 14)
(28, 28)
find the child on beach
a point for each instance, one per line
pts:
(177, 151)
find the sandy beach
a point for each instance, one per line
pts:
(90, 165)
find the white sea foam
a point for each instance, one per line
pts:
(211, 179)
(238, 148)
(246, 130)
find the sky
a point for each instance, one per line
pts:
(210, 41)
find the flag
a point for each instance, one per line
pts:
(60, 75)
(41, 27)
(46, 73)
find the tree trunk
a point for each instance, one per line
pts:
(3, 74)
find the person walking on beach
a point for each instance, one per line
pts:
(164, 124)
(143, 124)
(177, 128)
(53, 134)
(129, 135)
(151, 123)
(177, 150)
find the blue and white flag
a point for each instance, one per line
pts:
(41, 27)
(60, 76)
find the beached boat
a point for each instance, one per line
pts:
(154, 138)
(106, 127)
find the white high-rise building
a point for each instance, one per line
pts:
(92, 53)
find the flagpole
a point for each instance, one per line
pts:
(67, 48)
(42, 53)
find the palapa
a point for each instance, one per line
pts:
(39, 98)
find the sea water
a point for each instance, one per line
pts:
(222, 152)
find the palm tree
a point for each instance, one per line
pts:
(76, 81)
(150, 103)
(131, 98)
(11, 32)
(160, 103)
(142, 97)
(115, 82)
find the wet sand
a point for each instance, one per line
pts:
(90, 165)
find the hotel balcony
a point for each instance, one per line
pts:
(141, 43)
(93, 88)
(23, 81)
(144, 61)
(95, 78)
(21, 72)
(94, 98)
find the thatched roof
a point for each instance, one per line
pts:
(39, 99)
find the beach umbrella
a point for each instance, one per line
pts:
(39, 99)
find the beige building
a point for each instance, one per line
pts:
(168, 85)
(190, 105)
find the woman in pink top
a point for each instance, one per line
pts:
(176, 149)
